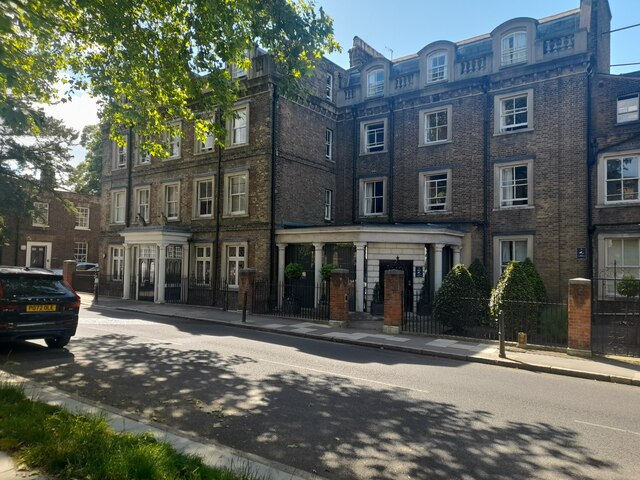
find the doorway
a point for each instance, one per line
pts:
(407, 267)
(38, 254)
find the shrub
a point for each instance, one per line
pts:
(628, 286)
(536, 281)
(450, 306)
(293, 271)
(510, 297)
(480, 278)
(325, 271)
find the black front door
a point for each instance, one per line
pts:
(38, 256)
(407, 267)
(146, 278)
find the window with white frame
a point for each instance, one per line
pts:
(328, 144)
(622, 257)
(142, 205)
(40, 216)
(205, 146)
(235, 255)
(141, 155)
(436, 125)
(173, 140)
(435, 189)
(622, 179)
(80, 250)
(239, 123)
(627, 108)
(437, 67)
(119, 155)
(203, 265)
(118, 206)
(236, 190)
(514, 112)
(328, 205)
(375, 83)
(373, 136)
(328, 92)
(116, 264)
(82, 218)
(203, 201)
(513, 250)
(514, 181)
(373, 196)
(171, 200)
(514, 48)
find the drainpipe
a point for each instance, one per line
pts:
(127, 215)
(485, 171)
(392, 122)
(216, 264)
(591, 162)
(272, 216)
(355, 150)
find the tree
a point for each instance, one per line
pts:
(456, 301)
(87, 176)
(515, 297)
(153, 60)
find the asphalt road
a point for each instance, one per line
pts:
(341, 411)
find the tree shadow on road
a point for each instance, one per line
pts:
(327, 424)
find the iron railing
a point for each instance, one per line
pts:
(544, 323)
(296, 301)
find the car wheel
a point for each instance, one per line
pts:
(57, 342)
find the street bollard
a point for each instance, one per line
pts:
(96, 288)
(501, 334)
(244, 308)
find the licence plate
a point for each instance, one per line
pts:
(41, 308)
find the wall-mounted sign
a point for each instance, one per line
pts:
(581, 253)
(419, 272)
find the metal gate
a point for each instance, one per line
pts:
(615, 328)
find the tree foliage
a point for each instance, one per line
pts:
(515, 298)
(153, 60)
(87, 176)
(452, 304)
(480, 278)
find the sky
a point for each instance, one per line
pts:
(397, 28)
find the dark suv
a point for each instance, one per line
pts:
(37, 303)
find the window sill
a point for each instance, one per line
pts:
(86, 229)
(203, 217)
(235, 215)
(238, 145)
(40, 226)
(435, 212)
(168, 159)
(629, 203)
(515, 207)
(364, 154)
(432, 144)
(628, 122)
(198, 154)
(511, 132)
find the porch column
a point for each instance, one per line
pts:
(160, 268)
(317, 260)
(360, 275)
(437, 266)
(126, 274)
(281, 252)
(184, 274)
(456, 254)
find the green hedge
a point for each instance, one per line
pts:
(451, 306)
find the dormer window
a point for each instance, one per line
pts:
(375, 83)
(514, 48)
(628, 108)
(437, 67)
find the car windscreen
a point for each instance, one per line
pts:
(21, 286)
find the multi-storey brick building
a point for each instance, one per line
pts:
(54, 232)
(475, 149)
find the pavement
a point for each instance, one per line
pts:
(364, 333)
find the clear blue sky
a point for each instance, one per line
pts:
(405, 26)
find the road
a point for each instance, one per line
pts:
(342, 411)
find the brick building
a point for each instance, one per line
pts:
(475, 149)
(54, 233)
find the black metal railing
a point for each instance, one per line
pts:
(544, 323)
(616, 316)
(110, 287)
(297, 301)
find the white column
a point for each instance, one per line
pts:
(126, 274)
(437, 266)
(317, 260)
(360, 275)
(281, 252)
(184, 273)
(160, 269)
(456, 254)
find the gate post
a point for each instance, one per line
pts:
(246, 286)
(579, 325)
(68, 271)
(339, 298)
(393, 301)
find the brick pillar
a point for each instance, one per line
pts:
(339, 298)
(393, 301)
(68, 270)
(246, 284)
(579, 305)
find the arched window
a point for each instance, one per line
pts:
(375, 82)
(514, 48)
(437, 67)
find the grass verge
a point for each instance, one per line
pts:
(69, 446)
